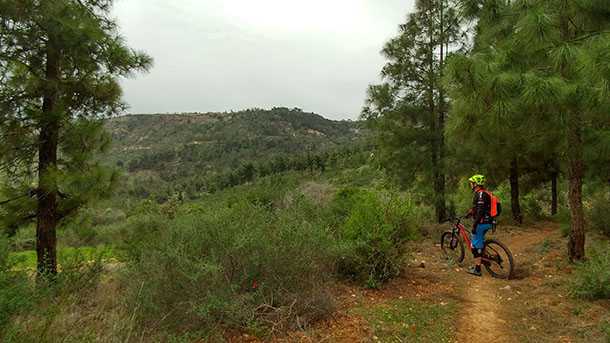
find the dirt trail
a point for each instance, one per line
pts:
(481, 318)
(480, 321)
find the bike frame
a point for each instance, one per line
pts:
(462, 231)
(465, 234)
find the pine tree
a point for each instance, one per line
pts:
(551, 69)
(409, 109)
(59, 63)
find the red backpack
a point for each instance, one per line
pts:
(496, 205)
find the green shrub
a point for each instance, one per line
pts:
(605, 329)
(531, 205)
(599, 214)
(91, 226)
(243, 266)
(4, 252)
(267, 192)
(592, 277)
(44, 309)
(15, 295)
(374, 234)
(461, 200)
(15, 289)
(24, 238)
(564, 218)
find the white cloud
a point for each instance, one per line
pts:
(215, 55)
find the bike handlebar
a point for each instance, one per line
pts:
(455, 219)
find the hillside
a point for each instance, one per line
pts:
(195, 150)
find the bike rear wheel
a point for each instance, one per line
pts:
(498, 260)
(453, 247)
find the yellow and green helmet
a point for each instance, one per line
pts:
(478, 179)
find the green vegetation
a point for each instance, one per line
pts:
(408, 111)
(411, 320)
(605, 328)
(198, 153)
(256, 256)
(244, 265)
(259, 258)
(592, 277)
(15, 289)
(376, 228)
(599, 213)
(252, 221)
(26, 260)
(40, 305)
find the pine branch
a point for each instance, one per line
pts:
(4, 202)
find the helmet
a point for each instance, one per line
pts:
(478, 180)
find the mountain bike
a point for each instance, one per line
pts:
(497, 258)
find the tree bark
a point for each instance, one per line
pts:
(554, 196)
(576, 244)
(46, 240)
(514, 192)
(441, 209)
(437, 175)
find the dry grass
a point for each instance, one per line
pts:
(545, 312)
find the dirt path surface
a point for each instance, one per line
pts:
(482, 318)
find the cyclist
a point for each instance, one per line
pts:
(482, 220)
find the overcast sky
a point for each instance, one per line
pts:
(221, 55)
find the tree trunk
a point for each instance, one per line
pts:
(46, 241)
(439, 189)
(554, 199)
(441, 209)
(437, 175)
(576, 244)
(514, 192)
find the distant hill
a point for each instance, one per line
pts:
(177, 147)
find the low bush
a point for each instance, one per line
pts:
(592, 277)
(243, 266)
(564, 218)
(15, 289)
(24, 238)
(373, 235)
(605, 329)
(531, 204)
(50, 311)
(599, 213)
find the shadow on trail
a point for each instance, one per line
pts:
(521, 272)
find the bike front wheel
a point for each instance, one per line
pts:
(498, 260)
(452, 247)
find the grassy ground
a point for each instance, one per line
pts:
(411, 320)
(26, 260)
(548, 312)
(432, 301)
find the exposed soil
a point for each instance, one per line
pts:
(483, 318)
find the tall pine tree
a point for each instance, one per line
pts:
(491, 126)
(408, 111)
(59, 64)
